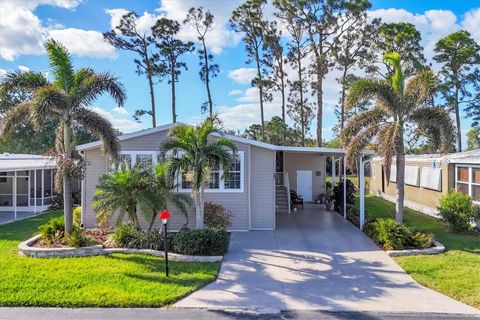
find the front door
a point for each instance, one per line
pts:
(304, 184)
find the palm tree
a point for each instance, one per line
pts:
(195, 150)
(66, 100)
(137, 190)
(396, 104)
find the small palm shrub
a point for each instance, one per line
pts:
(216, 216)
(128, 236)
(77, 217)
(76, 239)
(53, 231)
(458, 210)
(205, 242)
(390, 235)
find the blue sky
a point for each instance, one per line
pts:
(25, 24)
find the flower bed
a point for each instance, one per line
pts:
(29, 248)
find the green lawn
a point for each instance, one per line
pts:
(118, 280)
(456, 272)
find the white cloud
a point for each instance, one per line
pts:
(3, 73)
(221, 36)
(144, 22)
(121, 110)
(471, 23)
(235, 92)
(23, 69)
(250, 95)
(123, 124)
(24, 34)
(84, 42)
(242, 75)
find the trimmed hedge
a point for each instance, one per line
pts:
(205, 242)
(458, 210)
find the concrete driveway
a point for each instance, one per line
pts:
(315, 260)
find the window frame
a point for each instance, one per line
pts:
(470, 182)
(222, 188)
(133, 157)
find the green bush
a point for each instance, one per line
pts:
(53, 230)
(390, 235)
(338, 194)
(206, 242)
(458, 210)
(77, 239)
(128, 236)
(77, 216)
(216, 216)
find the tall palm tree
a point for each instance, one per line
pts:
(195, 150)
(396, 104)
(137, 190)
(66, 100)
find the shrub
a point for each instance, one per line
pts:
(128, 236)
(458, 210)
(77, 217)
(390, 235)
(216, 216)
(208, 242)
(77, 239)
(338, 194)
(53, 230)
(420, 240)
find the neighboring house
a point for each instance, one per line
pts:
(428, 177)
(255, 190)
(26, 185)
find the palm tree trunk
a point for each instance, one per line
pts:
(400, 185)
(198, 195)
(150, 85)
(319, 89)
(67, 194)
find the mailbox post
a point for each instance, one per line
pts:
(164, 216)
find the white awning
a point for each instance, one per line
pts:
(16, 162)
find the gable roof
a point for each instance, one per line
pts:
(259, 144)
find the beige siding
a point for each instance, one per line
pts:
(236, 202)
(96, 167)
(262, 200)
(426, 197)
(302, 161)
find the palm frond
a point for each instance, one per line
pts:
(379, 91)
(387, 145)
(90, 85)
(61, 63)
(28, 81)
(12, 118)
(358, 142)
(421, 87)
(438, 125)
(100, 127)
(50, 102)
(398, 79)
(360, 121)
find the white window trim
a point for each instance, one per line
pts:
(221, 188)
(133, 156)
(470, 182)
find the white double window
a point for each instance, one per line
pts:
(231, 181)
(140, 158)
(467, 181)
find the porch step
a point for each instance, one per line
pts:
(281, 199)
